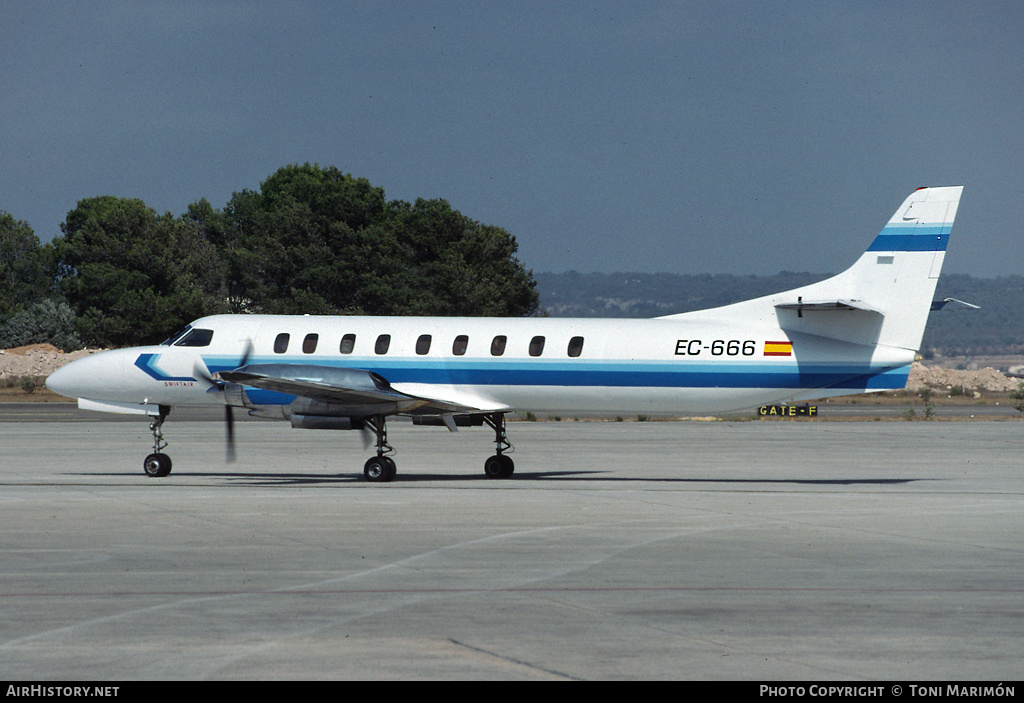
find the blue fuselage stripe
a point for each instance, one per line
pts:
(631, 374)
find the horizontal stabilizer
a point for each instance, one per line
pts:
(826, 306)
(940, 304)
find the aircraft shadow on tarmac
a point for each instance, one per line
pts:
(306, 479)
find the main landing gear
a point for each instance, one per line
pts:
(157, 464)
(500, 465)
(382, 469)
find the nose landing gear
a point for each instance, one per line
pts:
(157, 464)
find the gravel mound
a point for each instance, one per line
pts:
(35, 360)
(986, 379)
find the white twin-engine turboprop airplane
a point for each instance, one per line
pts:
(853, 333)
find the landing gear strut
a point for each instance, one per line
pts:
(157, 464)
(500, 465)
(380, 468)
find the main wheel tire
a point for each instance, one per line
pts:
(157, 465)
(499, 466)
(392, 468)
(380, 469)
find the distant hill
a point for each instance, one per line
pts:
(997, 328)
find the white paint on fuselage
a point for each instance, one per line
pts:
(625, 366)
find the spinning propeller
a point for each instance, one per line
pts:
(202, 373)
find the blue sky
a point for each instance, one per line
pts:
(686, 137)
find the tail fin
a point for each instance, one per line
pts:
(885, 297)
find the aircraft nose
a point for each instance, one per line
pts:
(62, 381)
(88, 377)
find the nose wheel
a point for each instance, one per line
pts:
(158, 464)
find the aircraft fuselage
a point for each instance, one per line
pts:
(535, 364)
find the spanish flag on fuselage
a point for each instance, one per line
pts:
(784, 348)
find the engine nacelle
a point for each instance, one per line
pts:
(460, 420)
(326, 422)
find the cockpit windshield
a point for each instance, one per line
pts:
(175, 337)
(190, 337)
(196, 338)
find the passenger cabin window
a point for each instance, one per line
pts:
(536, 346)
(575, 346)
(460, 345)
(309, 343)
(196, 338)
(498, 345)
(383, 342)
(281, 343)
(348, 343)
(423, 344)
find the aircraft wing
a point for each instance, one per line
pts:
(352, 388)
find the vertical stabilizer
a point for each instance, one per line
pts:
(885, 297)
(898, 273)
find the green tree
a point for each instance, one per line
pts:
(452, 265)
(24, 276)
(1017, 397)
(294, 246)
(316, 240)
(46, 321)
(133, 276)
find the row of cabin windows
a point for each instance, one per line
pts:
(202, 337)
(459, 345)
